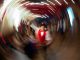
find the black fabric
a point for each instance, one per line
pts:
(30, 49)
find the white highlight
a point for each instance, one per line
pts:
(66, 2)
(3, 8)
(42, 33)
(73, 1)
(15, 12)
(44, 3)
(71, 15)
(51, 2)
(16, 16)
(58, 2)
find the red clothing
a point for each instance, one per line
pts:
(41, 36)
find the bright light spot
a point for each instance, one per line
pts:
(6, 2)
(46, 15)
(42, 33)
(16, 16)
(44, 3)
(71, 15)
(52, 9)
(58, 2)
(15, 13)
(26, 3)
(35, 3)
(51, 2)
(66, 2)
(73, 1)
(3, 8)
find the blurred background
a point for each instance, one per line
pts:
(19, 20)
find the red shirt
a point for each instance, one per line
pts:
(41, 36)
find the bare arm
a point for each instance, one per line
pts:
(34, 26)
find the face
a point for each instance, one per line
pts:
(42, 28)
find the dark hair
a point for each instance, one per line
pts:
(43, 24)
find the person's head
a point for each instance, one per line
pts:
(42, 26)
